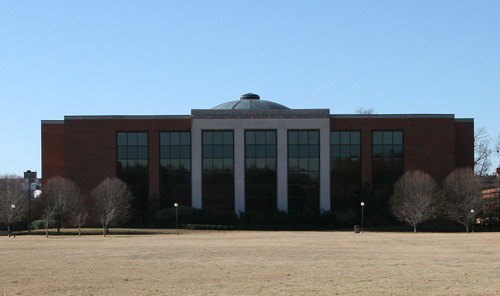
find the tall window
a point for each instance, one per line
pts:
(303, 170)
(345, 165)
(133, 168)
(260, 171)
(387, 167)
(218, 171)
(175, 169)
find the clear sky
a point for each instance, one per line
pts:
(62, 58)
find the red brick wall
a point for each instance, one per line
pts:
(52, 149)
(464, 143)
(429, 143)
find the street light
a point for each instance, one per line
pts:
(29, 201)
(362, 214)
(176, 205)
(11, 231)
(472, 224)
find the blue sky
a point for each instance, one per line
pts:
(62, 58)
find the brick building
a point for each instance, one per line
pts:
(255, 155)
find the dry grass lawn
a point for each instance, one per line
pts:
(252, 263)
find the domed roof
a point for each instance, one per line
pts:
(250, 102)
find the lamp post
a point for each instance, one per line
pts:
(362, 214)
(472, 223)
(29, 201)
(176, 205)
(11, 231)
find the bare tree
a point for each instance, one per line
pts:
(60, 194)
(112, 200)
(365, 111)
(482, 151)
(79, 213)
(415, 198)
(13, 200)
(47, 216)
(463, 199)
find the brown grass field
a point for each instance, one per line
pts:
(252, 263)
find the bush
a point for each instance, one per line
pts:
(40, 224)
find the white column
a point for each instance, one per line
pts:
(196, 167)
(282, 169)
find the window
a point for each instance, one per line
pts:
(345, 165)
(260, 171)
(218, 171)
(175, 168)
(132, 167)
(303, 170)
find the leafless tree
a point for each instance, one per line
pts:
(463, 199)
(365, 111)
(79, 213)
(112, 200)
(13, 200)
(482, 151)
(47, 216)
(60, 194)
(415, 198)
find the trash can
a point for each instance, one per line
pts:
(356, 228)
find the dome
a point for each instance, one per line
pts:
(250, 102)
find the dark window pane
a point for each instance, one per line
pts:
(345, 138)
(271, 164)
(175, 138)
(313, 150)
(398, 150)
(377, 138)
(250, 150)
(335, 151)
(165, 152)
(175, 152)
(132, 152)
(271, 151)
(228, 164)
(303, 137)
(335, 138)
(208, 151)
(345, 151)
(228, 138)
(186, 165)
(397, 137)
(122, 139)
(175, 164)
(387, 138)
(387, 151)
(250, 137)
(293, 138)
(303, 150)
(142, 139)
(313, 164)
(355, 138)
(165, 163)
(293, 164)
(378, 150)
(313, 137)
(143, 152)
(355, 151)
(218, 163)
(218, 151)
(122, 152)
(260, 137)
(207, 138)
(185, 152)
(250, 163)
(217, 138)
(228, 151)
(303, 164)
(208, 164)
(293, 151)
(122, 163)
(185, 138)
(270, 137)
(261, 163)
(261, 151)
(164, 138)
(132, 162)
(132, 139)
